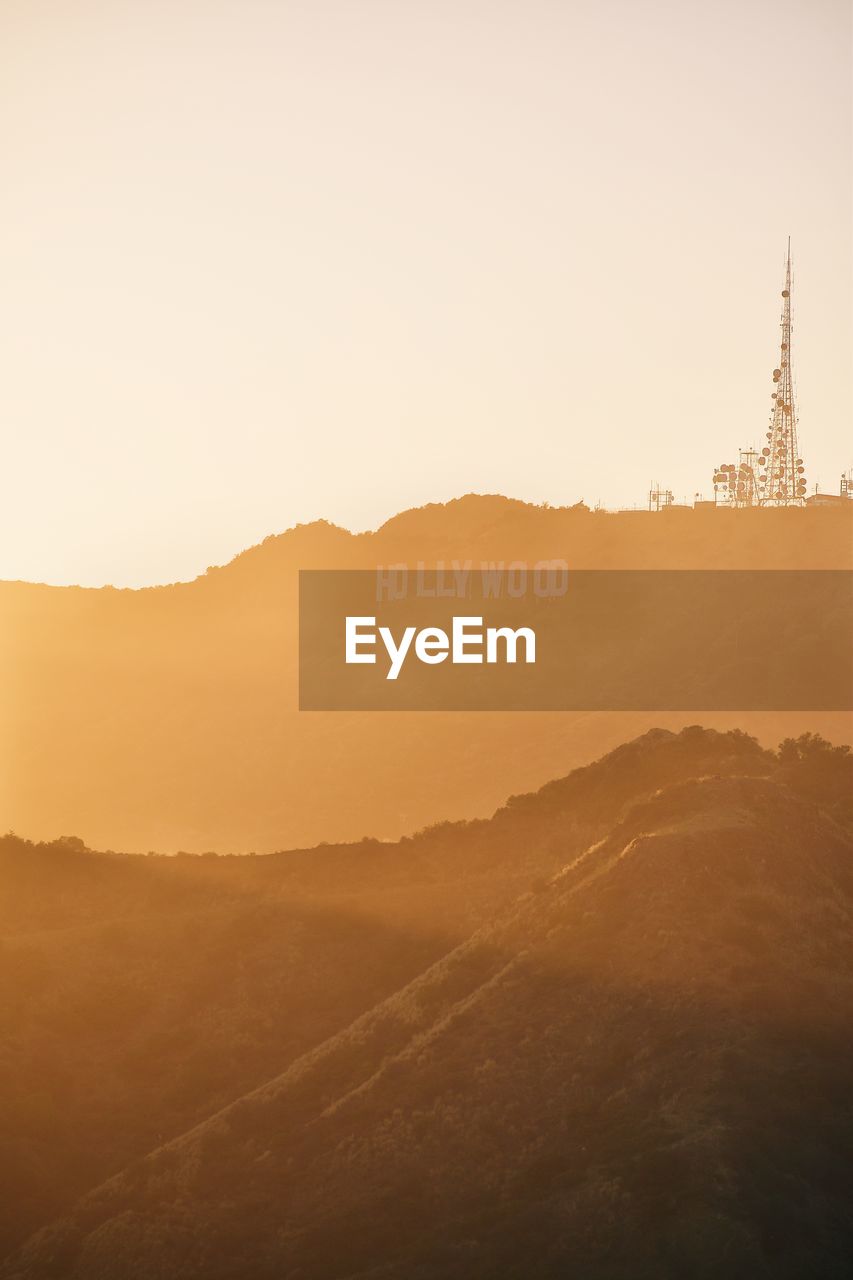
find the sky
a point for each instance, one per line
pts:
(266, 261)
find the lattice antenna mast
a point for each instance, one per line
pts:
(781, 480)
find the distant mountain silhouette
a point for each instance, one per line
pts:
(604, 1033)
(166, 718)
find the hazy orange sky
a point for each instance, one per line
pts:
(268, 261)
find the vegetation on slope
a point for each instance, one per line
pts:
(653, 1039)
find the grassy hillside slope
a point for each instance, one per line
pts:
(636, 1064)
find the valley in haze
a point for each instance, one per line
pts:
(167, 718)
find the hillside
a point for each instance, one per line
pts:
(166, 718)
(624, 1051)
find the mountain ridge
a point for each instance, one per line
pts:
(682, 857)
(484, 516)
(168, 718)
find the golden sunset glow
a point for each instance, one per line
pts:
(268, 262)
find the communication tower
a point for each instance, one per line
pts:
(775, 477)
